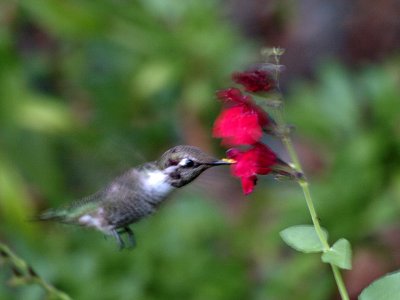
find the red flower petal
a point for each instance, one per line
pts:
(237, 126)
(255, 81)
(248, 184)
(258, 160)
(234, 97)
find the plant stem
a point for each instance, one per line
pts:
(306, 190)
(303, 182)
(340, 282)
(338, 277)
(284, 134)
(26, 273)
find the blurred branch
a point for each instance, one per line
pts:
(24, 274)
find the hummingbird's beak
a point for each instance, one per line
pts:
(224, 161)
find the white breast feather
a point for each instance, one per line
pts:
(157, 182)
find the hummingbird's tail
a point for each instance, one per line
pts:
(69, 213)
(53, 215)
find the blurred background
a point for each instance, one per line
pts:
(91, 88)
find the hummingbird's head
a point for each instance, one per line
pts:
(184, 163)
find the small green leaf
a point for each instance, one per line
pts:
(384, 288)
(339, 254)
(303, 238)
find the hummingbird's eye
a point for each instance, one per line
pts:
(187, 163)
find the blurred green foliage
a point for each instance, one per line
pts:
(90, 87)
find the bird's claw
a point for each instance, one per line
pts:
(121, 243)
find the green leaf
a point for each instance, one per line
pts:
(385, 288)
(339, 254)
(303, 238)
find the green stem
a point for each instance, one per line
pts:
(336, 273)
(29, 275)
(284, 134)
(307, 195)
(340, 282)
(306, 190)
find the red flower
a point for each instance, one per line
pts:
(235, 97)
(255, 81)
(258, 160)
(238, 126)
(241, 123)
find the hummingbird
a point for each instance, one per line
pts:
(135, 194)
